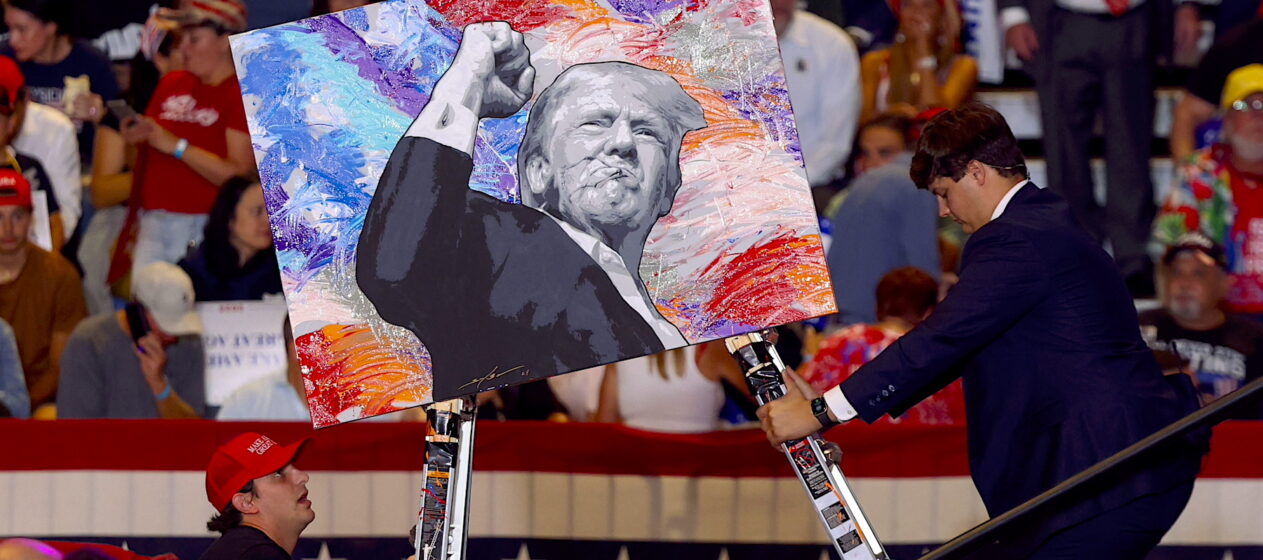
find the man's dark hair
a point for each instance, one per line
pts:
(229, 517)
(906, 293)
(972, 132)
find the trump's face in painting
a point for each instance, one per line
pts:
(607, 158)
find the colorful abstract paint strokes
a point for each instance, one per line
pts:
(328, 98)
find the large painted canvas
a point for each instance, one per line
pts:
(468, 194)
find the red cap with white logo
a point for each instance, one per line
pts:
(245, 458)
(15, 190)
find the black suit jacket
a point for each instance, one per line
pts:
(497, 292)
(1056, 375)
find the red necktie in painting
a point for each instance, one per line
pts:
(1118, 7)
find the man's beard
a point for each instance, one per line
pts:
(1245, 148)
(1184, 309)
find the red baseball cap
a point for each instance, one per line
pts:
(245, 458)
(11, 84)
(15, 190)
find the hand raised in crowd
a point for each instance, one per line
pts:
(491, 73)
(1022, 39)
(153, 361)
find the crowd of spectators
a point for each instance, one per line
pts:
(128, 191)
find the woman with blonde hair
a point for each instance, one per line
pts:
(664, 392)
(923, 69)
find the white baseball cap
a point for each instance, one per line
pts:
(167, 292)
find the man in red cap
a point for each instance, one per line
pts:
(261, 498)
(40, 293)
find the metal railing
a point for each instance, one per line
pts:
(983, 535)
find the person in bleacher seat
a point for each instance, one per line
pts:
(47, 136)
(145, 361)
(924, 68)
(1223, 350)
(905, 297)
(15, 402)
(277, 397)
(63, 72)
(665, 392)
(235, 260)
(114, 160)
(1219, 192)
(884, 222)
(1193, 118)
(39, 290)
(192, 136)
(822, 75)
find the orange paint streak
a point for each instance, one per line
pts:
(347, 367)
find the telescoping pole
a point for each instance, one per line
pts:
(815, 460)
(449, 451)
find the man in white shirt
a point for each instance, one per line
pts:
(822, 70)
(49, 136)
(548, 285)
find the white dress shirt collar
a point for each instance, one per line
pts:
(1004, 202)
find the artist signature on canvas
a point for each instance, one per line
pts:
(496, 374)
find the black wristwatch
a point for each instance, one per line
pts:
(820, 408)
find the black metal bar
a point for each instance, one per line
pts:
(981, 535)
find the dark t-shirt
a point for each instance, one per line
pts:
(46, 83)
(1240, 47)
(1223, 358)
(245, 543)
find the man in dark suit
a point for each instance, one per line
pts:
(501, 293)
(1089, 57)
(1042, 330)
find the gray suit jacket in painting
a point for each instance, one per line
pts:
(497, 292)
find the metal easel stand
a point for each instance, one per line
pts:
(449, 452)
(815, 460)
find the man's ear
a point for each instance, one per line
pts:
(536, 175)
(978, 171)
(244, 502)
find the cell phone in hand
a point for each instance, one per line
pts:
(121, 110)
(137, 321)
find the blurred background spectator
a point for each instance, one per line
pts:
(905, 297)
(664, 392)
(40, 294)
(1223, 350)
(47, 136)
(924, 68)
(821, 71)
(884, 222)
(1195, 122)
(61, 71)
(277, 397)
(114, 161)
(192, 137)
(1219, 191)
(146, 361)
(235, 260)
(14, 400)
(12, 105)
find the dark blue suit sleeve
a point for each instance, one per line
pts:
(1002, 278)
